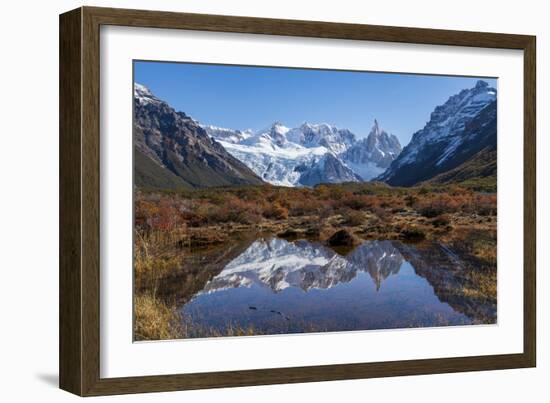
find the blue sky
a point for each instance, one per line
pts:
(241, 97)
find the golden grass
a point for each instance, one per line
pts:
(154, 320)
(152, 259)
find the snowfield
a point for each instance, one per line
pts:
(309, 154)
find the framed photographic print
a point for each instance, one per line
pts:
(251, 201)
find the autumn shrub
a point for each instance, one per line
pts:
(456, 190)
(275, 211)
(273, 197)
(413, 233)
(235, 210)
(334, 192)
(411, 200)
(353, 218)
(202, 214)
(220, 198)
(167, 216)
(303, 206)
(356, 202)
(142, 211)
(381, 213)
(441, 220)
(431, 207)
(251, 194)
(485, 204)
(423, 191)
(430, 210)
(322, 192)
(372, 201)
(326, 210)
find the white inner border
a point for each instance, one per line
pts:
(120, 357)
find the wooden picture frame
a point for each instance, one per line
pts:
(79, 346)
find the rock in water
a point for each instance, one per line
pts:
(342, 238)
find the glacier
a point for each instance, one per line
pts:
(309, 154)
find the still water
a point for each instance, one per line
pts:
(277, 286)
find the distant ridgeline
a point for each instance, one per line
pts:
(172, 150)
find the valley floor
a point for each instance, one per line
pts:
(340, 216)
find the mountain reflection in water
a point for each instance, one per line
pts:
(278, 264)
(276, 286)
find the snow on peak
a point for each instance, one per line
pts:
(276, 127)
(279, 264)
(144, 95)
(370, 156)
(225, 134)
(318, 126)
(447, 127)
(322, 135)
(299, 156)
(141, 90)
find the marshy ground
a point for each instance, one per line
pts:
(168, 225)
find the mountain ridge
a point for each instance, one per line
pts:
(456, 132)
(281, 155)
(174, 150)
(169, 145)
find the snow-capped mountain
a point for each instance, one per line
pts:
(312, 153)
(274, 135)
(457, 130)
(172, 150)
(329, 169)
(228, 135)
(279, 264)
(371, 156)
(278, 165)
(322, 135)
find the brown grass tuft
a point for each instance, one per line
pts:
(154, 320)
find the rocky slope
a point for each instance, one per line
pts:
(481, 165)
(456, 132)
(172, 150)
(371, 156)
(329, 169)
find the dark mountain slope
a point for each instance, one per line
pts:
(150, 175)
(456, 132)
(180, 148)
(481, 165)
